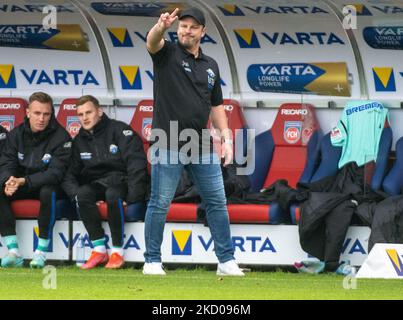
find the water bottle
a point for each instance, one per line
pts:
(80, 252)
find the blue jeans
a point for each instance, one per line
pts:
(207, 177)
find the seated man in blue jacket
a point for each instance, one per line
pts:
(108, 163)
(33, 162)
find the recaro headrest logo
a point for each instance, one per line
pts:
(146, 108)
(294, 112)
(7, 77)
(69, 107)
(10, 106)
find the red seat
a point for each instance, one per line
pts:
(12, 112)
(141, 123)
(67, 116)
(287, 151)
(187, 212)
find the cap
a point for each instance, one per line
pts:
(195, 13)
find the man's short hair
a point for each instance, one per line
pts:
(41, 97)
(88, 98)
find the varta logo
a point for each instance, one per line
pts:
(247, 38)
(384, 79)
(182, 242)
(7, 77)
(231, 10)
(395, 260)
(351, 247)
(361, 9)
(59, 77)
(130, 77)
(120, 37)
(33, 8)
(173, 36)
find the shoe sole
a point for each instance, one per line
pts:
(154, 274)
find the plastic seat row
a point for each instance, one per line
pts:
(293, 149)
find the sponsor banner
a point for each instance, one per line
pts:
(139, 9)
(384, 79)
(232, 10)
(130, 77)
(390, 38)
(34, 8)
(27, 233)
(254, 244)
(7, 77)
(120, 38)
(65, 37)
(384, 261)
(316, 78)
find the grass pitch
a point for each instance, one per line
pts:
(195, 284)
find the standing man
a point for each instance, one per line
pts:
(187, 91)
(108, 163)
(33, 162)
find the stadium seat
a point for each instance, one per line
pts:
(141, 123)
(12, 112)
(67, 116)
(328, 160)
(393, 182)
(287, 151)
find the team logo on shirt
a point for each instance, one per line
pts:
(292, 131)
(186, 66)
(127, 133)
(336, 133)
(46, 158)
(113, 148)
(86, 155)
(67, 145)
(3, 136)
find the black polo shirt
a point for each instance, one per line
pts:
(185, 89)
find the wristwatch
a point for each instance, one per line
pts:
(229, 141)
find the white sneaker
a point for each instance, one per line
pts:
(153, 268)
(229, 268)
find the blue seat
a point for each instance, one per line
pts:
(328, 159)
(393, 182)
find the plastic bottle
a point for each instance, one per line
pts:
(80, 252)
